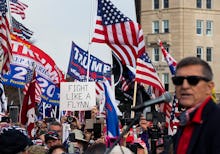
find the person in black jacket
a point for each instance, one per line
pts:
(198, 132)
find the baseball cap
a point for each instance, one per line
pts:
(79, 135)
(51, 135)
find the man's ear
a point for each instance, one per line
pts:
(211, 86)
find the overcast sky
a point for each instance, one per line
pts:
(57, 23)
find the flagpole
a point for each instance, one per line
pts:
(89, 44)
(134, 98)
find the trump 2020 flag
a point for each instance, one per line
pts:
(112, 111)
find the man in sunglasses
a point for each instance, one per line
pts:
(198, 132)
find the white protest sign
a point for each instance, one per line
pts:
(77, 96)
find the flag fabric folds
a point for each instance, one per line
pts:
(31, 97)
(78, 66)
(17, 7)
(20, 30)
(169, 59)
(121, 34)
(5, 40)
(145, 73)
(112, 112)
(170, 109)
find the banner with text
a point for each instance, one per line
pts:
(27, 57)
(78, 65)
(77, 96)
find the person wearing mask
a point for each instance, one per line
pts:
(198, 132)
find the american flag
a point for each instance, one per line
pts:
(20, 30)
(127, 78)
(99, 87)
(170, 109)
(124, 84)
(18, 7)
(5, 39)
(31, 77)
(121, 34)
(32, 95)
(145, 73)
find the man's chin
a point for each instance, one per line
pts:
(186, 104)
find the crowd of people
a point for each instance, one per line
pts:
(71, 136)
(197, 131)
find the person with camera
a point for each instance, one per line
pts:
(198, 132)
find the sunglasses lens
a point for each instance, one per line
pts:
(193, 80)
(177, 80)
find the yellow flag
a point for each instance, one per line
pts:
(214, 95)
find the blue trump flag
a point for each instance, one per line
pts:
(112, 112)
(78, 64)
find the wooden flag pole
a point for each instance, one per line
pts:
(134, 98)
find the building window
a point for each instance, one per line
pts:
(208, 4)
(208, 54)
(199, 4)
(165, 79)
(209, 27)
(199, 52)
(165, 3)
(155, 26)
(156, 4)
(199, 27)
(165, 24)
(156, 56)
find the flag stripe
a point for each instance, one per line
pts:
(5, 43)
(145, 73)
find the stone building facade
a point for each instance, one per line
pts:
(186, 28)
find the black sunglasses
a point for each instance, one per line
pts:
(192, 80)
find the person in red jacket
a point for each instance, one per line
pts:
(198, 132)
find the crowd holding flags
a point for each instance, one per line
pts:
(125, 38)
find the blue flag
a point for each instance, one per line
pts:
(78, 65)
(111, 112)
